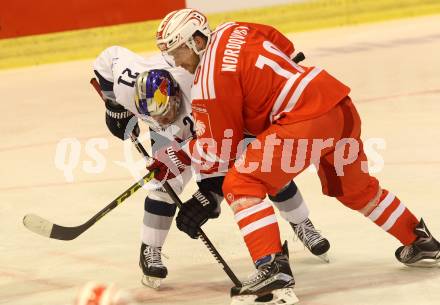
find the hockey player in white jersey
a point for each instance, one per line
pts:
(157, 92)
(117, 70)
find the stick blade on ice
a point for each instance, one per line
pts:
(38, 225)
(46, 228)
(49, 229)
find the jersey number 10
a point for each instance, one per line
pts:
(264, 61)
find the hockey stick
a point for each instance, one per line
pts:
(49, 229)
(178, 202)
(203, 236)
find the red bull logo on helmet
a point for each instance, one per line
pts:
(161, 93)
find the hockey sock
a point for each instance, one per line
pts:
(260, 230)
(158, 217)
(394, 217)
(291, 204)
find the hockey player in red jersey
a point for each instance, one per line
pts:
(156, 92)
(245, 81)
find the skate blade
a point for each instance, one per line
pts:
(426, 263)
(324, 257)
(285, 296)
(152, 282)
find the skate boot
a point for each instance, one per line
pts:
(151, 264)
(311, 238)
(423, 252)
(272, 283)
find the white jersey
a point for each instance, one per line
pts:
(121, 67)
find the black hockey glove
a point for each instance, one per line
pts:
(299, 57)
(196, 211)
(117, 119)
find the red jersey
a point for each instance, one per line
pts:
(246, 81)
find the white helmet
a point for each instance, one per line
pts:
(178, 27)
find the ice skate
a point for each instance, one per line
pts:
(312, 239)
(271, 284)
(423, 252)
(151, 264)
